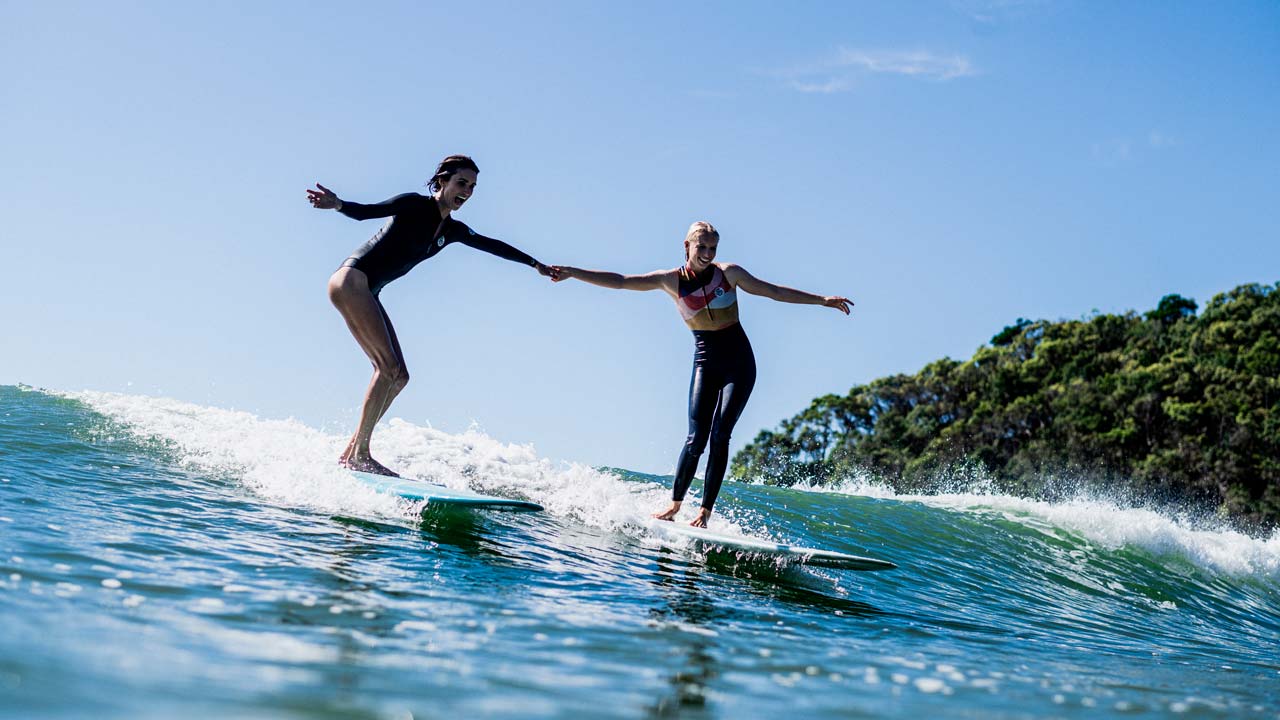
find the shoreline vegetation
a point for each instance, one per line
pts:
(1169, 406)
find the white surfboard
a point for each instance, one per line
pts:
(756, 546)
(433, 494)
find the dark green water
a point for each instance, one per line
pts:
(160, 559)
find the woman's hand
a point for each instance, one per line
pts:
(839, 303)
(323, 198)
(560, 272)
(551, 271)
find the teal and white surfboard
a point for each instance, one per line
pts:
(756, 546)
(419, 490)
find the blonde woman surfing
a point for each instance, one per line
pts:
(724, 368)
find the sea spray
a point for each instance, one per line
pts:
(1106, 521)
(288, 462)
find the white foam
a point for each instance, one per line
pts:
(280, 459)
(1104, 522)
(292, 464)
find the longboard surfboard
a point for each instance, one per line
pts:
(420, 490)
(739, 543)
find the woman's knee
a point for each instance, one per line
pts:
(696, 441)
(337, 293)
(344, 283)
(401, 378)
(391, 370)
(721, 436)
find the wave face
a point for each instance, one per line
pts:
(159, 559)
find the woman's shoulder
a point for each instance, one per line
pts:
(455, 227)
(733, 273)
(417, 205)
(412, 199)
(405, 201)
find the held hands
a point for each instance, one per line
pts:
(323, 199)
(839, 303)
(561, 272)
(551, 271)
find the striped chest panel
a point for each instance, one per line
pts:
(707, 302)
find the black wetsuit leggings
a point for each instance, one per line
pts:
(724, 371)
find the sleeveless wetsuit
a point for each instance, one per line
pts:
(724, 372)
(413, 234)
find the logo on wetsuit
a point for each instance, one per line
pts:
(719, 292)
(441, 241)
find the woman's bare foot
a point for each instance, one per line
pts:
(367, 464)
(703, 516)
(669, 513)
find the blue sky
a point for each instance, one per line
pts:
(949, 166)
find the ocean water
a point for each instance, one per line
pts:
(163, 559)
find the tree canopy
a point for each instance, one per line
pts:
(1170, 405)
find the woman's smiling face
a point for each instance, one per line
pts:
(460, 187)
(701, 249)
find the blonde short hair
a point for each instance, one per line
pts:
(702, 227)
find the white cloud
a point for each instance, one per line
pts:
(918, 63)
(833, 85)
(839, 72)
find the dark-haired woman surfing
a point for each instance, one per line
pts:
(420, 226)
(724, 368)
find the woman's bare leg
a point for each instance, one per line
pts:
(367, 320)
(403, 378)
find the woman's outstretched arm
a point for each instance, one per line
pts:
(503, 250)
(754, 285)
(324, 199)
(656, 280)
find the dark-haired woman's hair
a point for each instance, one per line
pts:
(448, 167)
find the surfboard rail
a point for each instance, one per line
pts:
(433, 494)
(742, 543)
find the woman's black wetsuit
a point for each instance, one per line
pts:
(413, 234)
(724, 372)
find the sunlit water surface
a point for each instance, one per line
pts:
(162, 559)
